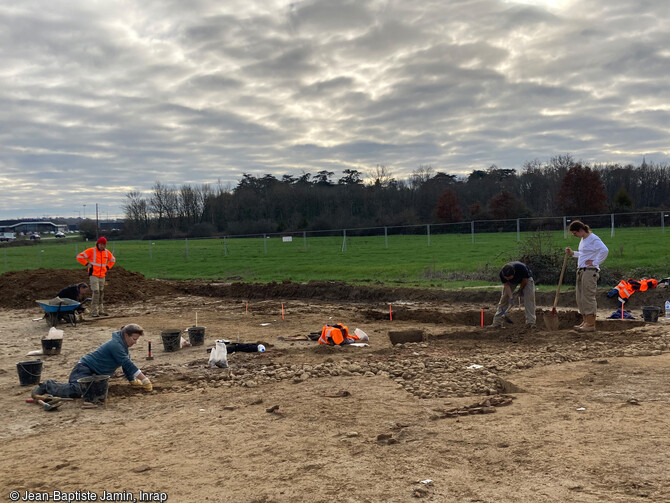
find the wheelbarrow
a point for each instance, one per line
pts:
(58, 309)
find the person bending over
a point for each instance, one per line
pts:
(78, 292)
(103, 361)
(512, 275)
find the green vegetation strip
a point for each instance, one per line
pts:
(408, 260)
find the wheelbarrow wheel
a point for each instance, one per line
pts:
(51, 319)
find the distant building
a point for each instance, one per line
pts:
(23, 228)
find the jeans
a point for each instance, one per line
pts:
(70, 389)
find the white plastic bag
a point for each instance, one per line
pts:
(54, 333)
(362, 336)
(219, 355)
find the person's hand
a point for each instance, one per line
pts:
(145, 384)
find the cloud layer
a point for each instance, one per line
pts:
(99, 98)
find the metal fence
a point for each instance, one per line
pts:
(610, 221)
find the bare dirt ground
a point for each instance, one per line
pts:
(467, 415)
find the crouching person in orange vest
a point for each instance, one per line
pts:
(98, 260)
(338, 335)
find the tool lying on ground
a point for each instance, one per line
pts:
(49, 402)
(551, 319)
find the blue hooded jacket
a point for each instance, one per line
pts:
(110, 356)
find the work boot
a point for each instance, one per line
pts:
(104, 314)
(589, 323)
(39, 390)
(96, 315)
(530, 326)
(581, 325)
(493, 326)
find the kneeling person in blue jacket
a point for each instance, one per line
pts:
(103, 361)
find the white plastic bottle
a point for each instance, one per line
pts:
(667, 309)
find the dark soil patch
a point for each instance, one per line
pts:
(20, 289)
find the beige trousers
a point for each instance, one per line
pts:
(586, 291)
(528, 303)
(97, 300)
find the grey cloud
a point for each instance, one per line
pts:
(118, 97)
(331, 16)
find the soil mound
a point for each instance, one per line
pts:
(20, 289)
(333, 291)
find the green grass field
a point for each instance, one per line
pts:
(408, 260)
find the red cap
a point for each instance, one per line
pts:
(101, 240)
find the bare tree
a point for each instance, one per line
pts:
(380, 176)
(137, 213)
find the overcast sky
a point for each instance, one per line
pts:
(99, 98)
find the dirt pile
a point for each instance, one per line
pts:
(20, 289)
(336, 291)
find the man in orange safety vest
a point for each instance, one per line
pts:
(98, 260)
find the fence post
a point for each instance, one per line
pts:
(265, 244)
(428, 232)
(518, 230)
(612, 220)
(225, 247)
(304, 240)
(662, 223)
(386, 237)
(344, 239)
(565, 228)
(472, 231)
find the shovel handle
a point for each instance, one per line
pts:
(560, 282)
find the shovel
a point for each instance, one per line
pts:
(551, 319)
(509, 307)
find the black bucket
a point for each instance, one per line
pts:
(171, 340)
(94, 388)
(196, 336)
(650, 313)
(51, 346)
(29, 372)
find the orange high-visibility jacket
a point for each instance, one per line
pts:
(100, 260)
(625, 289)
(628, 288)
(643, 284)
(336, 335)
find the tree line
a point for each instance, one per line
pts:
(267, 204)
